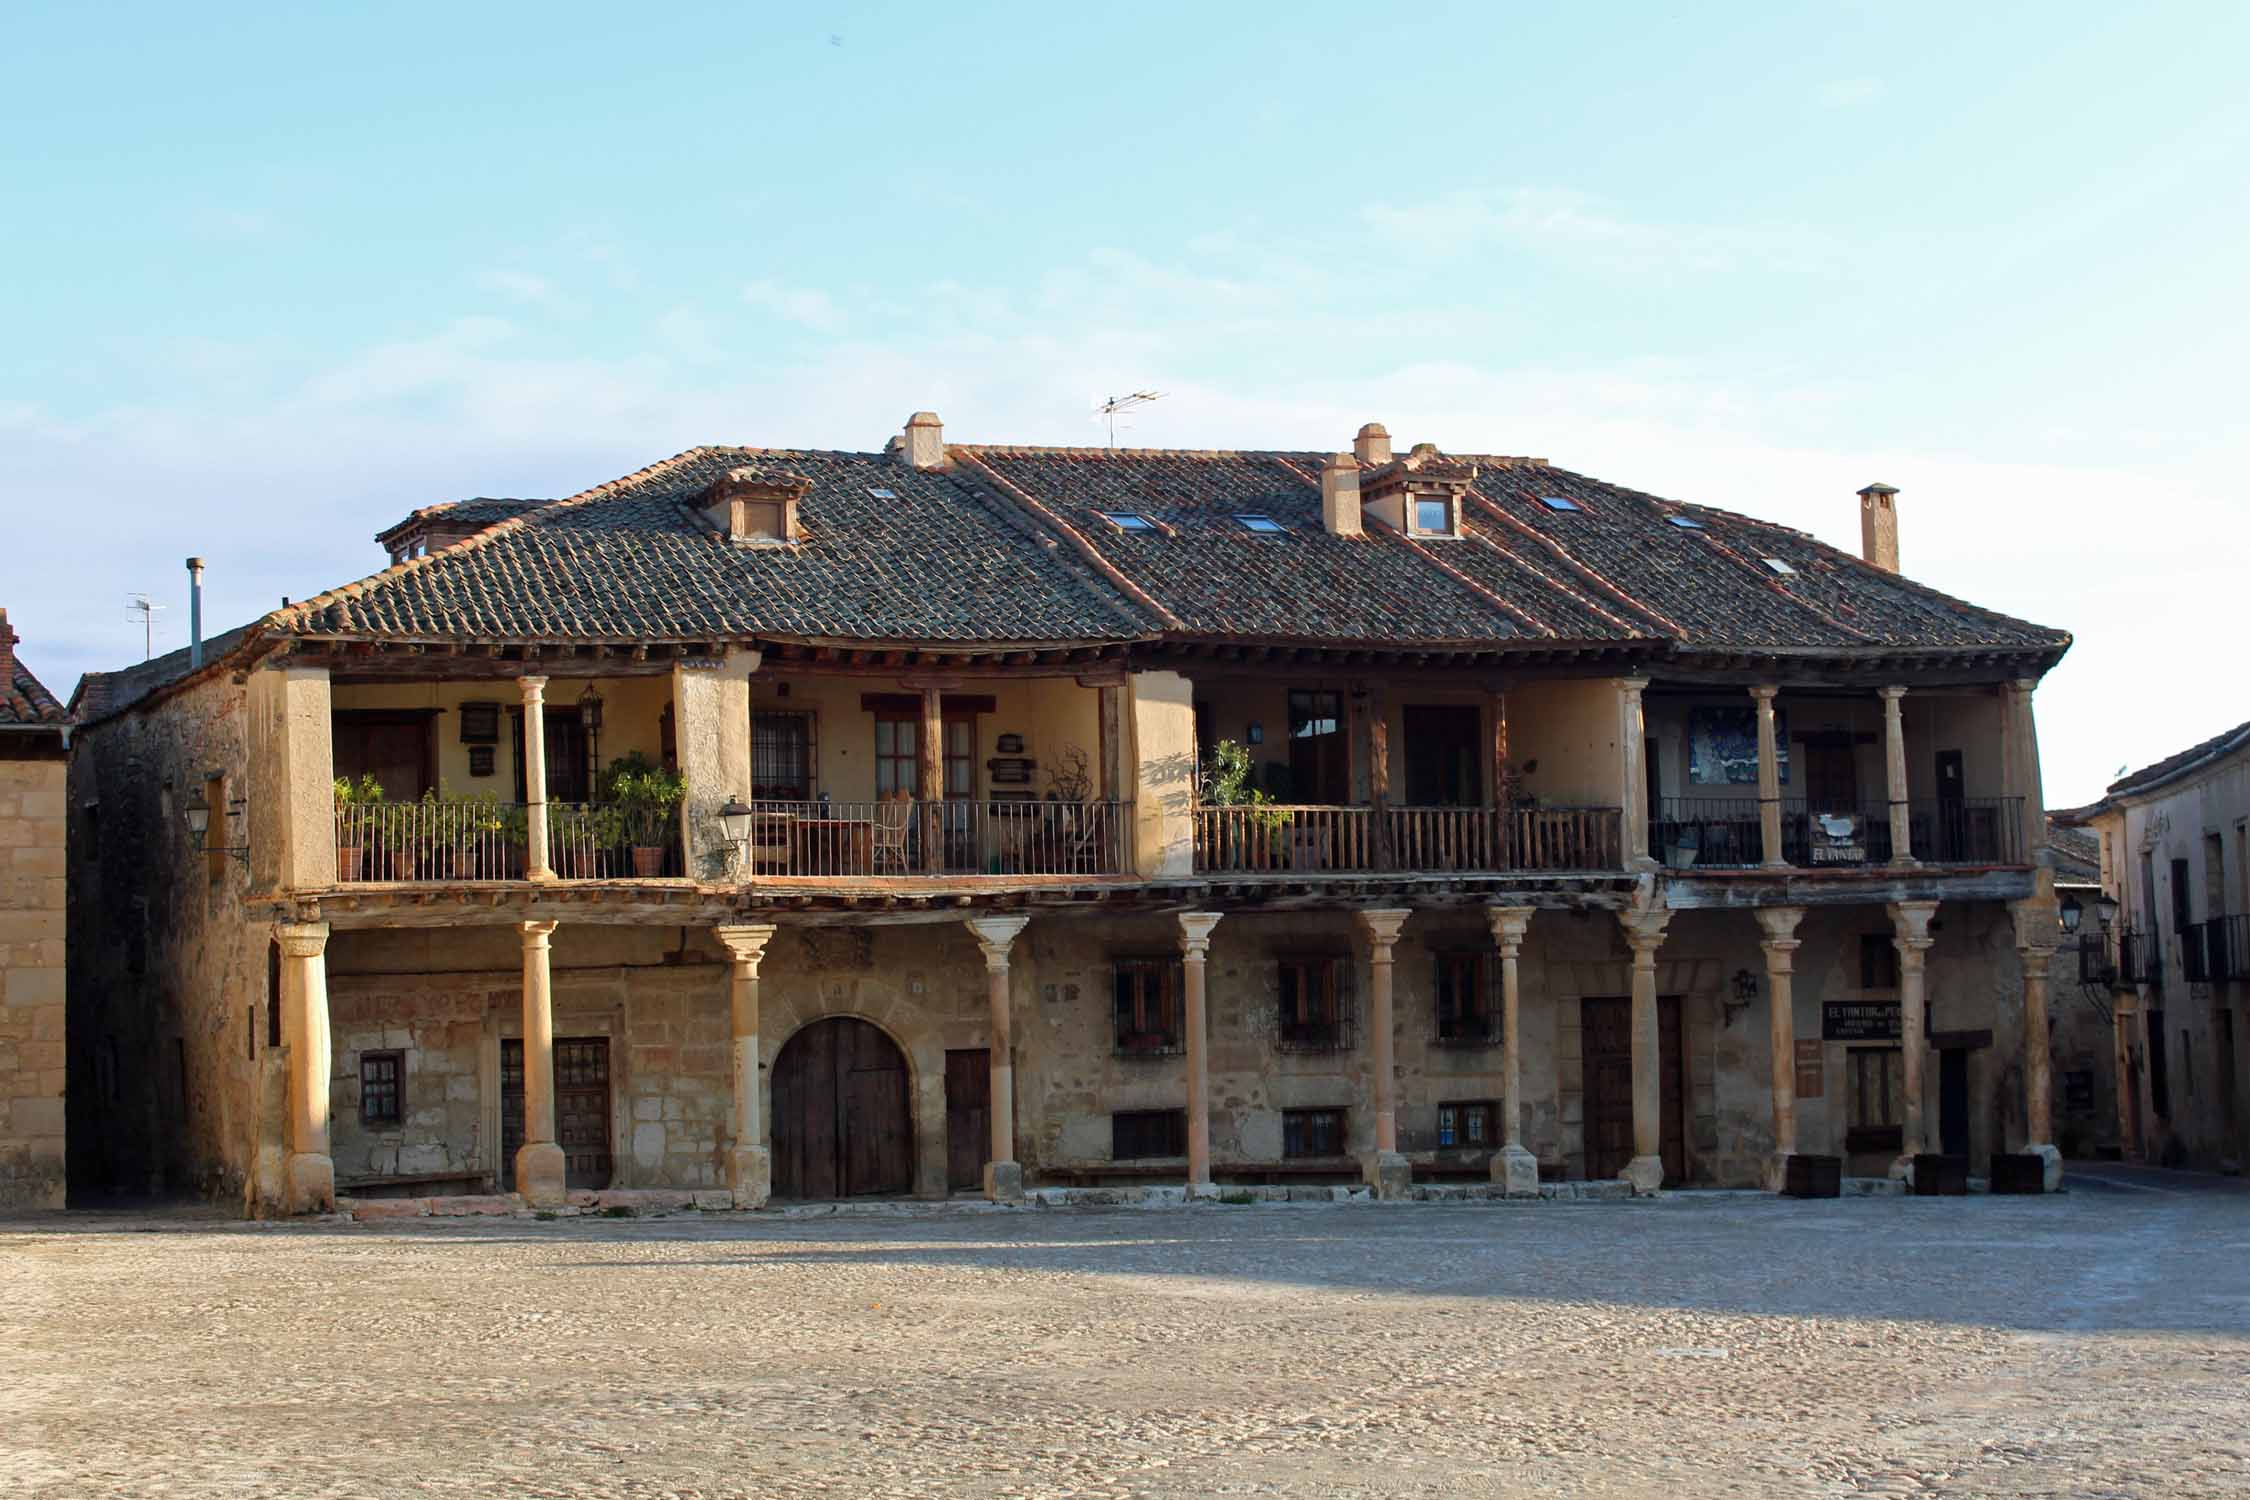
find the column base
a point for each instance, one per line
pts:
(1003, 1181)
(1775, 1174)
(2052, 1174)
(540, 1170)
(1902, 1170)
(308, 1184)
(750, 1177)
(1388, 1173)
(1516, 1171)
(1646, 1174)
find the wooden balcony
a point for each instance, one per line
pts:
(1285, 839)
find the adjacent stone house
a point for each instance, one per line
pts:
(34, 743)
(1071, 815)
(2175, 861)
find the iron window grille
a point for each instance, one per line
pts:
(1147, 1008)
(382, 1088)
(1315, 1012)
(1140, 1134)
(1466, 1016)
(1312, 1132)
(1465, 1124)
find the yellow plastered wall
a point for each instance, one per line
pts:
(632, 710)
(1570, 728)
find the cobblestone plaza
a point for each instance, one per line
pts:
(2086, 1344)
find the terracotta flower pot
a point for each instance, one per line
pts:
(347, 861)
(648, 861)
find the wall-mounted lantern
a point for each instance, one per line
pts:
(1745, 995)
(198, 815)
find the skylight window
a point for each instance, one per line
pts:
(1685, 523)
(1778, 566)
(1129, 521)
(1263, 525)
(879, 493)
(1558, 502)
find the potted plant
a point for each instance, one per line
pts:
(354, 801)
(1228, 781)
(646, 801)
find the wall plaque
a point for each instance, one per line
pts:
(1866, 1020)
(1812, 1073)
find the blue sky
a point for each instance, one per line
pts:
(274, 278)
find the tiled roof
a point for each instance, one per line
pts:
(2075, 854)
(101, 694)
(1013, 544)
(481, 511)
(2173, 765)
(25, 703)
(888, 553)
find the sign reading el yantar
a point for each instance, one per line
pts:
(1859, 1021)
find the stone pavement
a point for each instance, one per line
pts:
(2096, 1343)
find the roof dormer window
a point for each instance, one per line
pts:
(1129, 522)
(1263, 525)
(757, 505)
(1433, 516)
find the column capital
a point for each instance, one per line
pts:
(534, 688)
(301, 939)
(1891, 692)
(1631, 686)
(996, 935)
(1910, 926)
(1644, 930)
(746, 941)
(2038, 923)
(1381, 927)
(536, 934)
(2022, 687)
(1508, 923)
(1778, 924)
(1195, 932)
(1766, 692)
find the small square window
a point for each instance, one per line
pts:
(1263, 525)
(1312, 1132)
(1314, 1015)
(1558, 502)
(382, 1079)
(1685, 523)
(1464, 1124)
(1433, 517)
(878, 492)
(1125, 520)
(1778, 566)
(1137, 1134)
(1147, 1007)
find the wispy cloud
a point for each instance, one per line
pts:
(808, 307)
(1590, 230)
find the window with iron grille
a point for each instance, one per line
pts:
(382, 1087)
(1147, 999)
(1878, 961)
(781, 757)
(1466, 1016)
(1137, 1134)
(1312, 1132)
(1314, 1016)
(1465, 1123)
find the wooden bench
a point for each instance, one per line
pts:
(353, 1186)
(1166, 1173)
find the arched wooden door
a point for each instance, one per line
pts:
(842, 1127)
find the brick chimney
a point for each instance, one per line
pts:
(1339, 495)
(8, 639)
(1878, 526)
(925, 441)
(1373, 446)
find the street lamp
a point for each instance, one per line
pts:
(2071, 914)
(198, 816)
(734, 824)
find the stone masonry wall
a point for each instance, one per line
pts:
(32, 833)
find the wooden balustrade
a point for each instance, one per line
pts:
(1276, 838)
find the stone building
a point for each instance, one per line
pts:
(1560, 830)
(34, 742)
(2175, 860)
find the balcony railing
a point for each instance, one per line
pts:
(2215, 951)
(444, 842)
(898, 837)
(2139, 957)
(1723, 833)
(1280, 838)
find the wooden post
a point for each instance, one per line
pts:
(1894, 776)
(930, 779)
(1195, 946)
(1769, 778)
(750, 1165)
(1779, 926)
(1514, 1167)
(1111, 710)
(1379, 773)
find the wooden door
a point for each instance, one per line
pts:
(1952, 835)
(968, 1116)
(1441, 754)
(395, 748)
(1607, 1053)
(581, 1109)
(1953, 1101)
(1831, 776)
(842, 1127)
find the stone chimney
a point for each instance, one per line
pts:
(8, 639)
(1373, 446)
(925, 441)
(1878, 526)
(1339, 494)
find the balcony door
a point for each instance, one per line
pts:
(568, 772)
(1319, 765)
(1441, 754)
(1831, 774)
(395, 746)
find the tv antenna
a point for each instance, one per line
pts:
(1109, 408)
(146, 608)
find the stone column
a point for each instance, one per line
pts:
(2038, 934)
(1387, 1170)
(537, 863)
(1779, 926)
(2123, 1015)
(1894, 776)
(1003, 1175)
(1195, 947)
(1515, 1168)
(1644, 934)
(750, 1164)
(309, 1173)
(1632, 745)
(1769, 778)
(2022, 732)
(1910, 926)
(539, 1160)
